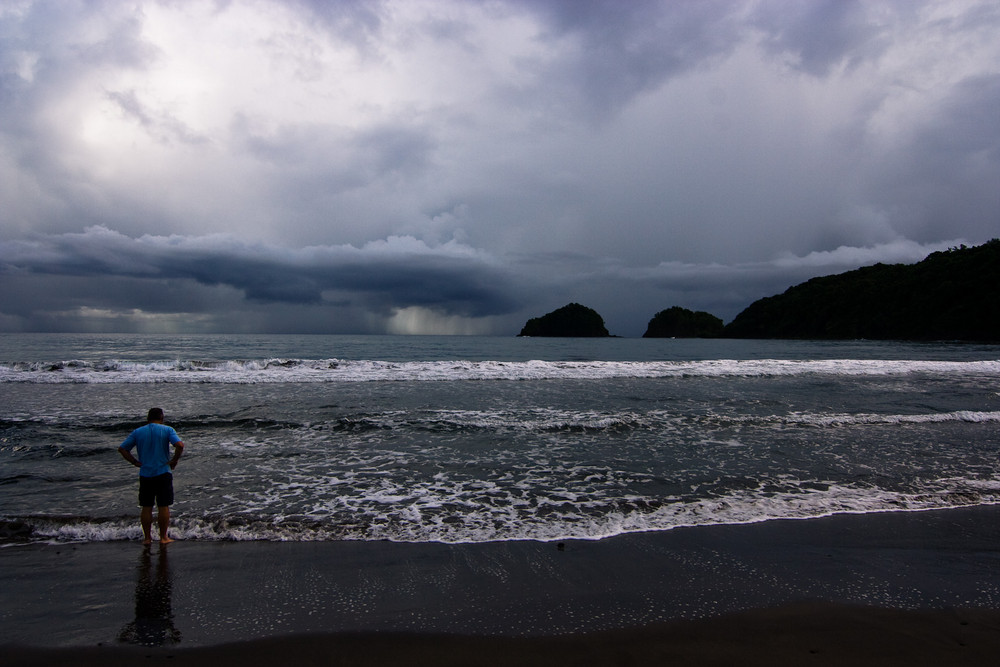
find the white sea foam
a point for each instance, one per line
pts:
(404, 520)
(970, 416)
(337, 370)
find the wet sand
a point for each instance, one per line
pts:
(902, 588)
(792, 635)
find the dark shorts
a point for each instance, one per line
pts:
(157, 490)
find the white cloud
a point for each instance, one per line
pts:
(844, 258)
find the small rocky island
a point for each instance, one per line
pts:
(677, 322)
(572, 320)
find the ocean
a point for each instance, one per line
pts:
(488, 439)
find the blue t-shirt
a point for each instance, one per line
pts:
(152, 442)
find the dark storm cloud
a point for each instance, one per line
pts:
(103, 280)
(617, 50)
(822, 35)
(394, 274)
(952, 166)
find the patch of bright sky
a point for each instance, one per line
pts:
(923, 63)
(416, 320)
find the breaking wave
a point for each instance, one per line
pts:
(336, 370)
(407, 522)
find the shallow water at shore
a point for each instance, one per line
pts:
(460, 440)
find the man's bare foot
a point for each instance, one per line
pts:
(147, 541)
(165, 540)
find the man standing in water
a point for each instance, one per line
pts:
(156, 482)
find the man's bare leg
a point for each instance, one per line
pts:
(163, 522)
(146, 519)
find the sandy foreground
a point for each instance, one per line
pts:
(792, 635)
(902, 588)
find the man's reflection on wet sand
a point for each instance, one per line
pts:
(154, 615)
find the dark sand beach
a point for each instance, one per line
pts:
(898, 588)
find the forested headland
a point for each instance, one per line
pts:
(950, 295)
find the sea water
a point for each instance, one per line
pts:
(480, 439)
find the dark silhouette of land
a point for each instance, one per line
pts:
(677, 322)
(950, 295)
(570, 320)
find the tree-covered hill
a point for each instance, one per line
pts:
(570, 320)
(950, 295)
(677, 322)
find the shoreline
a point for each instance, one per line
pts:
(925, 582)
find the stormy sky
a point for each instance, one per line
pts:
(443, 166)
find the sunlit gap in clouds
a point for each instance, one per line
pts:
(417, 320)
(135, 320)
